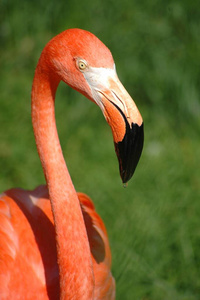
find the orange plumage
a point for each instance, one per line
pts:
(28, 246)
(53, 244)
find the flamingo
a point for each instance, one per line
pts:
(53, 244)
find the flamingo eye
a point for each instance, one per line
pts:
(81, 64)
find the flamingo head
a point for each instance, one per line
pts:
(82, 61)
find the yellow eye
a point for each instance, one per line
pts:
(82, 65)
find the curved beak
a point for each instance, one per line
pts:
(122, 115)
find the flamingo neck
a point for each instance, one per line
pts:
(74, 258)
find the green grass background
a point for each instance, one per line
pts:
(154, 224)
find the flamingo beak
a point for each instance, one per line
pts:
(123, 116)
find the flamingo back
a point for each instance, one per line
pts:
(28, 259)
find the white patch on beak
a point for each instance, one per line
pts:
(98, 81)
(106, 87)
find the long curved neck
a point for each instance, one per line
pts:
(74, 258)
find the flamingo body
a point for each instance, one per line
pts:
(28, 247)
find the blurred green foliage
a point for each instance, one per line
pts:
(154, 224)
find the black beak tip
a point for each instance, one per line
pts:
(129, 150)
